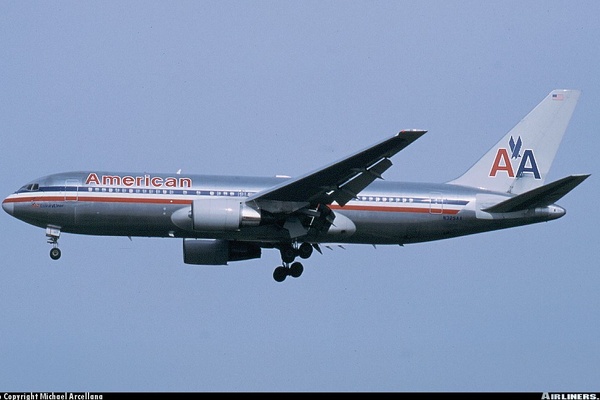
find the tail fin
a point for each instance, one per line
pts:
(520, 161)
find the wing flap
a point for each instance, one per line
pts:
(350, 189)
(539, 197)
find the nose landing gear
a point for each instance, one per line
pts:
(53, 233)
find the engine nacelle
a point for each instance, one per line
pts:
(222, 214)
(216, 214)
(217, 251)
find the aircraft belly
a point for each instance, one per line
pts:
(402, 228)
(385, 227)
(267, 233)
(149, 220)
(123, 219)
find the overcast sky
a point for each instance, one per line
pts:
(284, 87)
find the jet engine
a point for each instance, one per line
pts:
(217, 251)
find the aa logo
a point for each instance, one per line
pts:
(507, 159)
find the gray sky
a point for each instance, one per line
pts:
(284, 87)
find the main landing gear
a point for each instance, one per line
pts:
(289, 252)
(53, 233)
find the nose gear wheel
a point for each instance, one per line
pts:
(53, 233)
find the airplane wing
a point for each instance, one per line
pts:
(540, 197)
(340, 181)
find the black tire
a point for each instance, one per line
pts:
(55, 253)
(288, 254)
(280, 273)
(296, 269)
(305, 250)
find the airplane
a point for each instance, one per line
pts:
(232, 218)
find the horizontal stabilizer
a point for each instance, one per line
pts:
(540, 197)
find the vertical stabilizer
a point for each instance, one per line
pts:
(520, 161)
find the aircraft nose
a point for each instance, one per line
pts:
(9, 207)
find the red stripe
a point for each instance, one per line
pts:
(396, 209)
(134, 200)
(98, 199)
(142, 200)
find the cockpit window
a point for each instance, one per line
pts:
(32, 187)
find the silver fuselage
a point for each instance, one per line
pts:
(145, 204)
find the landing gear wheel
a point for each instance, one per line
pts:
(288, 254)
(305, 250)
(280, 273)
(55, 253)
(296, 270)
(53, 233)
